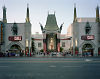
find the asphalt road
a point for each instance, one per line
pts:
(49, 68)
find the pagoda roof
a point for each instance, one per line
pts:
(51, 23)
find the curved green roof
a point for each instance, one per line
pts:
(51, 23)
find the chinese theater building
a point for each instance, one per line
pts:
(15, 37)
(65, 42)
(51, 34)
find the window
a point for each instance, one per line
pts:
(63, 44)
(87, 28)
(39, 44)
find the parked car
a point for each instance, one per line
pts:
(58, 54)
(54, 53)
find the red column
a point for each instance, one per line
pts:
(58, 47)
(26, 51)
(58, 42)
(44, 42)
(44, 47)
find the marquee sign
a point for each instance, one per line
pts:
(87, 37)
(15, 38)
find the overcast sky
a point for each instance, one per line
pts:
(16, 11)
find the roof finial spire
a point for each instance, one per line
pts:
(97, 13)
(4, 14)
(75, 14)
(27, 14)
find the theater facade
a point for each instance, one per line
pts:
(15, 37)
(85, 33)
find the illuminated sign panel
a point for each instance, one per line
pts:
(15, 38)
(87, 37)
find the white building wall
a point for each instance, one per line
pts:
(69, 30)
(27, 33)
(94, 32)
(8, 32)
(36, 44)
(67, 44)
(38, 38)
(79, 30)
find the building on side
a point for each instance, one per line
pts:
(85, 33)
(15, 37)
(38, 41)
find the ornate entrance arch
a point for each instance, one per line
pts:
(15, 49)
(81, 47)
(51, 42)
(16, 44)
(87, 50)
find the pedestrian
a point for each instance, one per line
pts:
(44, 53)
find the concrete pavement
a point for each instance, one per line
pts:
(49, 68)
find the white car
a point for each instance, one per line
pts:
(54, 53)
(58, 54)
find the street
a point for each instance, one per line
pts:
(49, 68)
